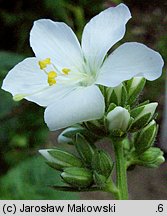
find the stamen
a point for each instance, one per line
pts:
(51, 81)
(51, 78)
(52, 74)
(66, 71)
(43, 64)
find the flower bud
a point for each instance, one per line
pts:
(146, 137)
(68, 135)
(77, 177)
(118, 120)
(117, 95)
(142, 115)
(152, 158)
(59, 159)
(102, 163)
(84, 149)
(134, 88)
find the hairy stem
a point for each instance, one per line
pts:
(121, 175)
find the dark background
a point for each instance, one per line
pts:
(22, 129)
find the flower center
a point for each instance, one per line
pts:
(54, 73)
(65, 75)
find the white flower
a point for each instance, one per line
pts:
(64, 75)
(118, 119)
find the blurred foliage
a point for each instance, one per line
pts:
(21, 131)
(31, 180)
(22, 126)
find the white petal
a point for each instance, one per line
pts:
(27, 79)
(130, 60)
(57, 41)
(102, 32)
(118, 118)
(83, 104)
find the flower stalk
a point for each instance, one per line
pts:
(112, 188)
(121, 175)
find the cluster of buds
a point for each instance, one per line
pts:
(124, 119)
(91, 167)
(122, 115)
(143, 153)
(125, 116)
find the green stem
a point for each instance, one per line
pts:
(111, 188)
(121, 170)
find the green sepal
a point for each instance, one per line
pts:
(117, 95)
(84, 149)
(133, 92)
(136, 111)
(140, 123)
(130, 123)
(102, 163)
(99, 179)
(128, 108)
(54, 166)
(69, 134)
(152, 158)
(143, 103)
(146, 137)
(111, 107)
(77, 177)
(63, 159)
(123, 96)
(111, 97)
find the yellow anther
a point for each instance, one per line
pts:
(43, 64)
(66, 71)
(51, 78)
(51, 81)
(52, 74)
